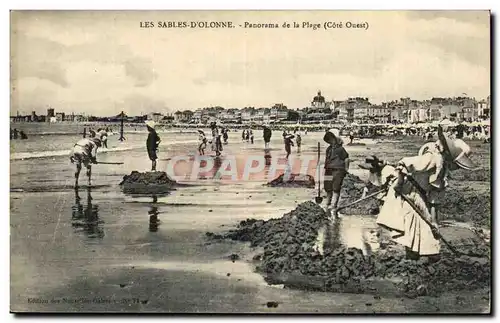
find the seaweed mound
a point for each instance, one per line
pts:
(352, 189)
(147, 182)
(289, 257)
(293, 180)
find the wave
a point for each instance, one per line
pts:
(66, 152)
(69, 133)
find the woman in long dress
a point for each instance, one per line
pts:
(413, 188)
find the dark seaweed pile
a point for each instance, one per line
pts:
(294, 180)
(147, 178)
(288, 247)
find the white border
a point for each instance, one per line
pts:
(189, 4)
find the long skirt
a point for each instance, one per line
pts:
(406, 225)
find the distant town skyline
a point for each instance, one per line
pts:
(101, 63)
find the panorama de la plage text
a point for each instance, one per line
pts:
(250, 25)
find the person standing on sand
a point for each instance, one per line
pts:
(299, 142)
(152, 144)
(225, 135)
(85, 152)
(288, 145)
(336, 168)
(267, 136)
(203, 142)
(409, 209)
(351, 137)
(103, 135)
(251, 136)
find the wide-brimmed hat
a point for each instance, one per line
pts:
(150, 123)
(331, 133)
(201, 132)
(373, 164)
(289, 136)
(456, 151)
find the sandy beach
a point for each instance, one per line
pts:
(99, 250)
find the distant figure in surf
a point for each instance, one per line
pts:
(267, 136)
(103, 135)
(225, 135)
(288, 145)
(203, 142)
(85, 152)
(216, 139)
(23, 135)
(152, 143)
(15, 133)
(351, 137)
(299, 142)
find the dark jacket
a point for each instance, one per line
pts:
(335, 157)
(153, 141)
(267, 134)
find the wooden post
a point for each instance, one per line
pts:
(121, 127)
(84, 132)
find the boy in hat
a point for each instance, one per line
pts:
(409, 209)
(288, 145)
(152, 144)
(336, 167)
(85, 152)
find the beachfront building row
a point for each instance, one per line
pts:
(351, 110)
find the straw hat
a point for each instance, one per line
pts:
(332, 132)
(457, 151)
(150, 123)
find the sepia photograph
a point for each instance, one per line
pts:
(250, 161)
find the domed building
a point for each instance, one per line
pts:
(318, 101)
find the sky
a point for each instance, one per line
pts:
(103, 62)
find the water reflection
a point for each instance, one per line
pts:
(153, 212)
(333, 238)
(85, 218)
(349, 232)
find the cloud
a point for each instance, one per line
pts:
(141, 70)
(471, 17)
(36, 57)
(103, 62)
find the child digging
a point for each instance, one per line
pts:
(336, 167)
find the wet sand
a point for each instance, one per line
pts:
(100, 250)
